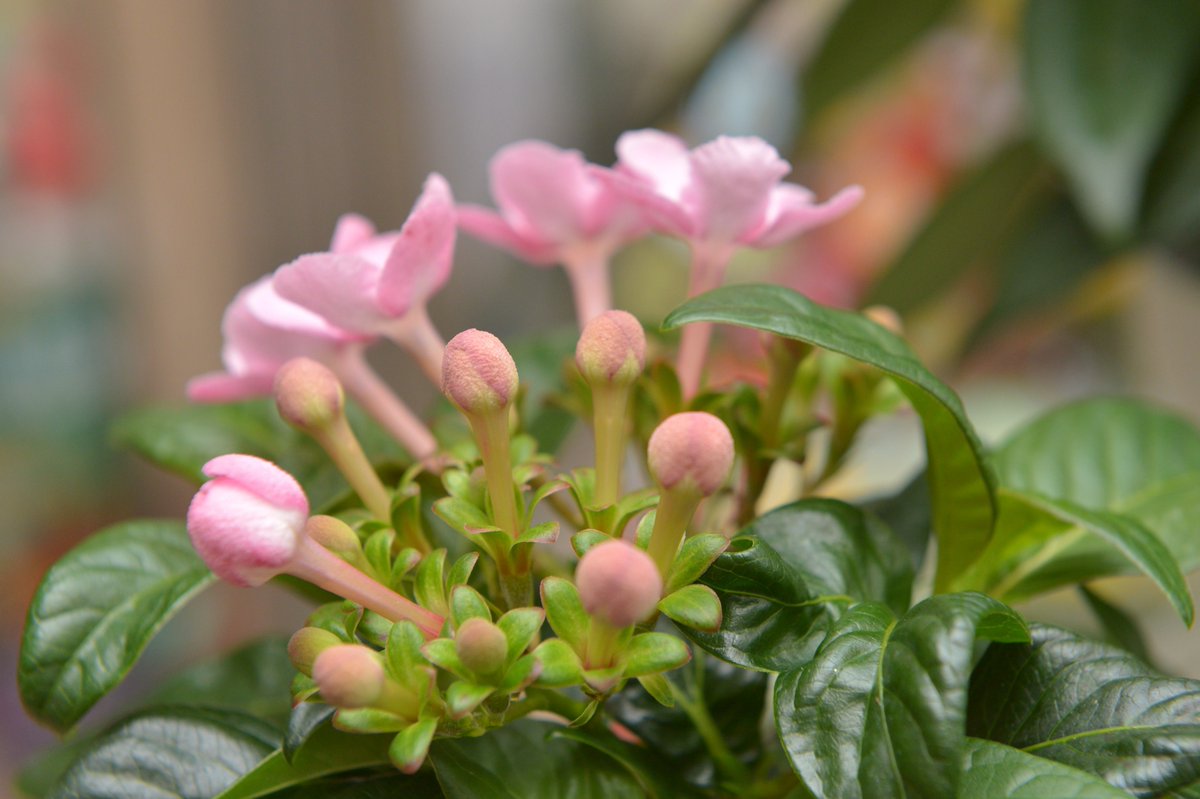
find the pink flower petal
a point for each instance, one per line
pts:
(352, 231)
(659, 212)
(341, 289)
(657, 157)
(261, 478)
(793, 212)
(488, 226)
(542, 191)
(732, 182)
(221, 387)
(421, 258)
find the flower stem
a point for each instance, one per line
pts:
(675, 509)
(415, 332)
(342, 446)
(491, 433)
(692, 703)
(708, 270)
(609, 406)
(587, 269)
(383, 405)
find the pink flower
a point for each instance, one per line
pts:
(263, 331)
(554, 209)
(378, 284)
(247, 523)
(721, 195)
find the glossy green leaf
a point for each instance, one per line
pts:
(95, 611)
(253, 679)
(327, 751)
(976, 216)
(880, 710)
(383, 783)
(866, 36)
(695, 606)
(656, 778)
(961, 481)
(1119, 627)
(522, 760)
(1093, 707)
(1117, 456)
(792, 570)
(191, 753)
(1103, 78)
(995, 771)
(306, 719)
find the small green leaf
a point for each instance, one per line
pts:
(601, 681)
(520, 626)
(462, 697)
(584, 540)
(652, 653)
(880, 709)
(327, 751)
(995, 771)
(564, 611)
(520, 674)
(546, 533)
(402, 654)
(1090, 706)
(467, 603)
(95, 611)
(695, 606)
(560, 664)
(442, 653)
(695, 556)
(368, 720)
(411, 745)
(962, 482)
(461, 570)
(429, 587)
(191, 753)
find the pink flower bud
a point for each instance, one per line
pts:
(481, 646)
(306, 644)
(247, 521)
(612, 349)
(693, 450)
(618, 583)
(349, 676)
(308, 395)
(478, 374)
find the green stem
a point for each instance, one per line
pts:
(675, 509)
(601, 643)
(342, 446)
(609, 406)
(696, 709)
(491, 432)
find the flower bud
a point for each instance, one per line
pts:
(692, 450)
(336, 536)
(306, 644)
(611, 349)
(478, 374)
(349, 676)
(481, 646)
(247, 522)
(618, 583)
(308, 395)
(886, 317)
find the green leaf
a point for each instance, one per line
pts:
(462, 697)
(584, 540)
(520, 626)
(1173, 190)
(522, 761)
(1103, 78)
(306, 719)
(793, 569)
(651, 653)
(410, 746)
(695, 556)
(1128, 536)
(695, 606)
(442, 653)
(467, 603)
(1119, 456)
(564, 611)
(253, 679)
(560, 664)
(429, 586)
(326, 752)
(734, 698)
(95, 611)
(995, 771)
(181, 752)
(880, 710)
(978, 213)
(962, 485)
(866, 36)
(1090, 706)
(656, 778)
(1119, 627)
(374, 784)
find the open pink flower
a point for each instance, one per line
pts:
(263, 331)
(247, 524)
(554, 209)
(378, 284)
(721, 195)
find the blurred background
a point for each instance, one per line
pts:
(1033, 210)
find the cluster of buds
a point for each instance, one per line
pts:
(421, 646)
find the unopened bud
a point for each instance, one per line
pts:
(308, 395)
(478, 374)
(336, 536)
(306, 644)
(481, 646)
(349, 676)
(611, 349)
(692, 450)
(885, 317)
(618, 583)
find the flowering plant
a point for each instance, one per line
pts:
(723, 628)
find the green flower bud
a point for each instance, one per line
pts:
(481, 646)
(308, 395)
(306, 644)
